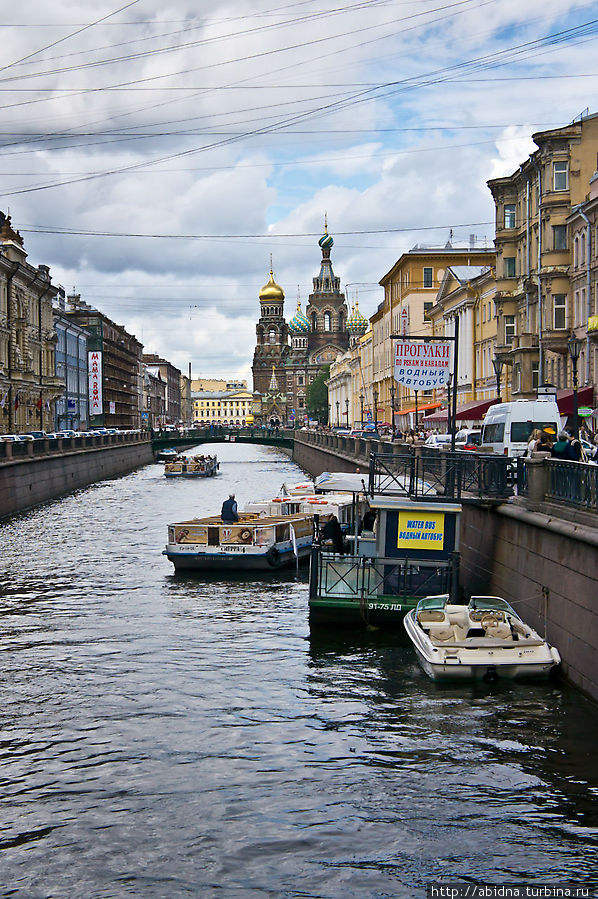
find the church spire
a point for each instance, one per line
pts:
(273, 386)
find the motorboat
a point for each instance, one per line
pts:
(255, 541)
(192, 467)
(484, 640)
(168, 454)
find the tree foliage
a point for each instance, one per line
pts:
(317, 396)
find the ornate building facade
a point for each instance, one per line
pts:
(282, 372)
(28, 383)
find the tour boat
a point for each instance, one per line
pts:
(484, 640)
(339, 504)
(256, 541)
(192, 467)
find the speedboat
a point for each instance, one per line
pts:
(484, 640)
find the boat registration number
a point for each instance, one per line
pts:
(385, 606)
(230, 548)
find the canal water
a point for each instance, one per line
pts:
(173, 736)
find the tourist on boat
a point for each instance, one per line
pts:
(229, 510)
(332, 535)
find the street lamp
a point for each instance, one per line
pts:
(375, 395)
(361, 399)
(338, 421)
(347, 411)
(574, 346)
(392, 406)
(498, 364)
(415, 411)
(449, 382)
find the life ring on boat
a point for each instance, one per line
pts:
(273, 558)
(277, 499)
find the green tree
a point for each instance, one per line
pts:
(317, 396)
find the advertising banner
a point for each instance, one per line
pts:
(421, 530)
(421, 365)
(94, 364)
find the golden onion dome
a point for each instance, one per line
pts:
(271, 292)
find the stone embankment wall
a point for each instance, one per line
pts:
(547, 568)
(29, 480)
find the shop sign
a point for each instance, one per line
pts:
(422, 365)
(94, 365)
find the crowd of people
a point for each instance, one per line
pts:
(564, 445)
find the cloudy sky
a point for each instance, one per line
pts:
(154, 155)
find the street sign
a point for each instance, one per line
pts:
(584, 411)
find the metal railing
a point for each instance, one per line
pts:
(431, 474)
(573, 483)
(360, 579)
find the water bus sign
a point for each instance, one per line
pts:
(421, 365)
(424, 531)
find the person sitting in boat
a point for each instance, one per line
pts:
(229, 510)
(332, 535)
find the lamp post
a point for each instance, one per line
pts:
(498, 364)
(449, 382)
(415, 411)
(361, 399)
(375, 396)
(392, 407)
(347, 411)
(574, 346)
(338, 421)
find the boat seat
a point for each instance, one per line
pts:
(441, 634)
(495, 626)
(432, 616)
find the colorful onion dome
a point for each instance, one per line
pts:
(356, 323)
(271, 292)
(299, 324)
(326, 241)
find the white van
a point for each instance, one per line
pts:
(507, 426)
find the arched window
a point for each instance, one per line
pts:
(272, 335)
(314, 321)
(327, 321)
(341, 321)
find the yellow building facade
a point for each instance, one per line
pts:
(223, 407)
(535, 302)
(410, 290)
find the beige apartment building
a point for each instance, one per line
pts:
(537, 309)
(223, 407)
(583, 237)
(410, 290)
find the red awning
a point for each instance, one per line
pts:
(473, 411)
(419, 408)
(564, 399)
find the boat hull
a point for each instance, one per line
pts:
(239, 560)
(491, 664)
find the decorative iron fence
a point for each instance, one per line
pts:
(431, 474)
(574, 483)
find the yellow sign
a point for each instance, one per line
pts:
(421, 530)
(593, 323)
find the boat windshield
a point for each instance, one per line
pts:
(432, 603)
(491, 603)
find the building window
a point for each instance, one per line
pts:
(427, 307)
(272, 335)
(509, 329)
(427, 277)
(300, 380)
(509, 266)
(560, 311)
(535, 375)
(509, 215)
(314, 321)
(560, 170)
(517, 377)
(327, 321)
(559, 237)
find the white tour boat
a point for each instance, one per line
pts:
(484, 640)
(256, 541)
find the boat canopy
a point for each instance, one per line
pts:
(342, 482)
(432, 603)
(491, 604)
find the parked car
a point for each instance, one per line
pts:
(37, 435)
(473, 440)
(438, 440)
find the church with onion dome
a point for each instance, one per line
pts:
(291, 356)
